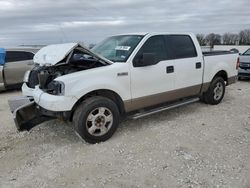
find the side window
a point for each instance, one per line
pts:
(181, 46)
(156, 45)
(12, 56)
(28, 55)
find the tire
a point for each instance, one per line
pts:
(215, 92)
(96, 119)
(202, 98)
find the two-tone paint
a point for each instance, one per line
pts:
(140, 87)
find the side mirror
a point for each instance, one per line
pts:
(240, 54)
(146, 59)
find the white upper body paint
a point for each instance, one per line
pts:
(138, 82)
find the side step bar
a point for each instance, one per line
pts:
(160, 109)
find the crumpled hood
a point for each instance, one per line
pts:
(245, 58)
(53, 54)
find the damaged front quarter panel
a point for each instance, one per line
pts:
(52, 61)
(57, 60)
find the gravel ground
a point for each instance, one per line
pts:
(197, 145)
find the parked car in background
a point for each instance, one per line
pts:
(14, 62)
(244, 69)
(234, 50)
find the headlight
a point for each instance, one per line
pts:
(55, 88)
(26, 76)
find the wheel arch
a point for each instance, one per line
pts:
(223, 74)
(220, 73)
(104, 93)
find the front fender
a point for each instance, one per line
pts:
(103, 78)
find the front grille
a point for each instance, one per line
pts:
(245, 65)
(244, 74)
(33, 77)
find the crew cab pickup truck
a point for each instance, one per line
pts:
(14, 62)
(130, 75)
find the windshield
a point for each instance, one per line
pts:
(117, 48)
(247, 52)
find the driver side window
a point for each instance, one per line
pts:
(154, 45)
(15, 56)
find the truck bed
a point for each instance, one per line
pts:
(218, 52)
(216, 61)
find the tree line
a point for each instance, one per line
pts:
(241, 38)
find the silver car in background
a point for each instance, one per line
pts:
(244, 69)
(14, 62)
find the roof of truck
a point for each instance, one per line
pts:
(157, 33)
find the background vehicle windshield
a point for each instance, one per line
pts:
(117, 48)
(247, 52)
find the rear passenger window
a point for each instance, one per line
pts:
(12, 56)
(156, 45)
(181, 46)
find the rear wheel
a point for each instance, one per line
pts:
(215, 92)
(96, 119)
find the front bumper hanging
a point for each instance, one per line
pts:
(26, 113)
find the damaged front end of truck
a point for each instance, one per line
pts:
(51, 62)
(26, 113)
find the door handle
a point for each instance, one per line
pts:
(122, 74)
(30, 63)
(170, 69)
(198, 65)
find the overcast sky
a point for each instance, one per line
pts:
(47, 21)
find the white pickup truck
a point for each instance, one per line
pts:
(129, 75)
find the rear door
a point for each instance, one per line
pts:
(188, 65)
(17, 63)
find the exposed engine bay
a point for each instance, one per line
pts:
(76, 61)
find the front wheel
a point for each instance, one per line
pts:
(96, 119)
(215, 92)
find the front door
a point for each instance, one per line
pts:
(150, 84)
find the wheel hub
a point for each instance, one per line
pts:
(99, 121)
(218, 91)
